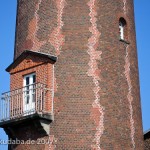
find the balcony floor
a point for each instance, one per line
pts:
(26, 119)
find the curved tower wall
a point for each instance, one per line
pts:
(97, 98)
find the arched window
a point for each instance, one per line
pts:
(122, 29)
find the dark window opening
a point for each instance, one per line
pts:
(123, 29)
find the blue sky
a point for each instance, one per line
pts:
(142, 20)
(142, 15)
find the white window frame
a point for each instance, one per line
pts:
(28, 108)
(121, 30)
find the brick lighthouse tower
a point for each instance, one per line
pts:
(74, 78)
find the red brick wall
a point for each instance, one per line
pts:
(97, 99)
(44, 74)
(43, 71)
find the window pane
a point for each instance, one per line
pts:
(27, 90)
(34, 78)
(27, 80)
(33, 97)
(27, 99)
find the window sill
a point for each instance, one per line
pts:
(126, 42)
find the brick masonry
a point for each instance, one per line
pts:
(97, 100)
(37, 65)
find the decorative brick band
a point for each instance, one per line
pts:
(33, 28)
(94, 56)
(57, 38)
(129, 96)
(124, 6)
(36, 43)
(51, 139)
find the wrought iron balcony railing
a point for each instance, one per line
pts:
(23, 102)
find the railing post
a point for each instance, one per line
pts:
(2, 108)
(6, 105)
(41, 99)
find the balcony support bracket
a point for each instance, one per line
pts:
(40, 122)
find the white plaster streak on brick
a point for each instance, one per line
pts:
(36, 43)
(56, 38)
(51, 139)
(94, 56)
(129, 96)
(124, 6)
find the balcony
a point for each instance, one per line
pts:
(24, 105)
